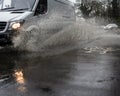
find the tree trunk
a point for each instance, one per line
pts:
(115, 9)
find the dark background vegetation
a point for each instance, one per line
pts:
(109, 9)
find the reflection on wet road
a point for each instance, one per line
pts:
(74, 73)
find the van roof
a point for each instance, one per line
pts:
(68, 2)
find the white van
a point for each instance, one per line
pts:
(14, 13)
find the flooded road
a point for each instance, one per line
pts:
(74, 73)
(81, 59)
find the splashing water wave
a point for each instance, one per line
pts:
(54, 37)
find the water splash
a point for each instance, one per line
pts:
(50, 36)
(99, 50)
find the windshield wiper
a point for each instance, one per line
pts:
(19, 9)
(7, 8)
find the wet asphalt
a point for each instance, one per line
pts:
(73, 73)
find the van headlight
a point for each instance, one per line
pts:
(16, 24)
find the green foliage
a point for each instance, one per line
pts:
(95, 8)
(109, 9)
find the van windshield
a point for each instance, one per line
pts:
(16, 4)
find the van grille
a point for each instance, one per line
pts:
(2, 26)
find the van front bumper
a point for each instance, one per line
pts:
(6, 38)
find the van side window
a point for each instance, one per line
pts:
(41, 7)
